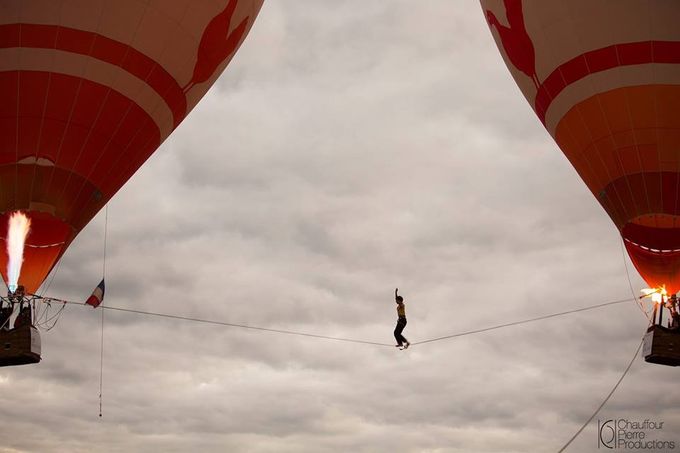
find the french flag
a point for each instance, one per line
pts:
(97, 296)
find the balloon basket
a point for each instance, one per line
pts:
(19, 346)
(662, 346)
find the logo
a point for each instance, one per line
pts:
(625, 434)
(606, 433)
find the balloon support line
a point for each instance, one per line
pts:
(325, 337)
(599, 408)
(638, 300)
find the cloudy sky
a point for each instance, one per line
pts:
(349, 148)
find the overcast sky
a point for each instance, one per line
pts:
(349, 148)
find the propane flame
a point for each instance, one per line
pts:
(657, 294)
(17, 230)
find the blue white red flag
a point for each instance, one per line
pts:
(97, 296)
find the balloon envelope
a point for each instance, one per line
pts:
(604, 79)
(89, 90)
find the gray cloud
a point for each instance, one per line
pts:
(348, 149)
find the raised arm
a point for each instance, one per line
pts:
(396, 295)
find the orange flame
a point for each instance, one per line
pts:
(657, 294)
(18, 228)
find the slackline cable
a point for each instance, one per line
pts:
(525, 321)
(227, 324)
(349, 340)
(597, 411)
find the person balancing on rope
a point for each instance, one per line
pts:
(402, 342)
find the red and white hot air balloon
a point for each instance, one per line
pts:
(89, 89)
(604, 79)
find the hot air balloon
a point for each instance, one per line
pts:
(604, 79)
(89, 90)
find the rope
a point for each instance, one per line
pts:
(524, 321)
(46, 325)
(605, 400)
(351, 340)
(326, 337)
(636, 299)
(245, 326)
(101, 349)
(54, 274)
(101, 366)
(41, 315)
(222, 323)
(106, 229)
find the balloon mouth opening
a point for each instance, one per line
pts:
(651, 238)
(658, 267)
(651, 249)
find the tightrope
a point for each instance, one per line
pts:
(326, 337)
(352, 340)
(525, 321)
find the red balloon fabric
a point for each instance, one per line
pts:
(604, 79)
(90, 90)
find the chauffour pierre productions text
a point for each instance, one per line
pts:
(632, 434)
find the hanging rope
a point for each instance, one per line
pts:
(101, 349)
(599, 408)
(50, 322)
(349, 340)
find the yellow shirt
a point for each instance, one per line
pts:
(401, 310)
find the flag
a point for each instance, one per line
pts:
(97, 296)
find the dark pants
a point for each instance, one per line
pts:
(401, 323)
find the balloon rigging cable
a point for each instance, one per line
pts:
(599, 408)
(637, 300)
